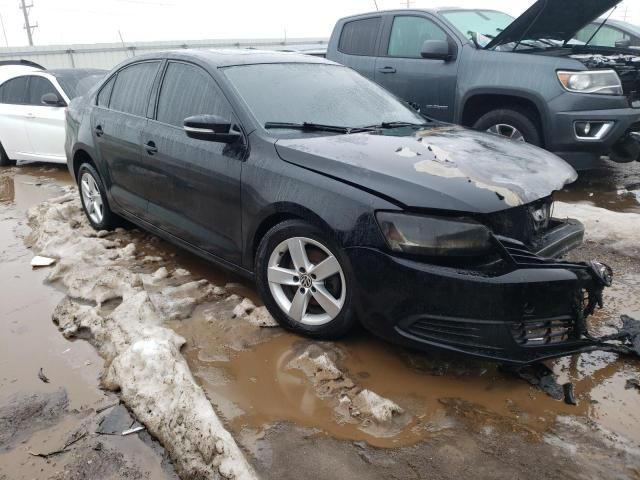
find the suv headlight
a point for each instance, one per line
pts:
(604, 82)
(434, 236)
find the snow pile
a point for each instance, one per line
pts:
(375, 415)
(257, 316)
(143, 358)
(615, 230)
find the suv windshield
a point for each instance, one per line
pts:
(315, 93)
(76, 83)
(478, 25)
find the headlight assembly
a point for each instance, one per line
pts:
(604, 82)
(434, 236)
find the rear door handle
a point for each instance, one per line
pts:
(387, 70)
(99, 131)
(30, 116)
(151, 148)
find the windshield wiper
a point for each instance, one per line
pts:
(386, 125)
(316, 127)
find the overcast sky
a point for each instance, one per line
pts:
(95, 21)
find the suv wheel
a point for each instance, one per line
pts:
(513, 124)
(305, 280)
(94, 198)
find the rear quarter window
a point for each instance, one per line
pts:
(359, 37)
(105, 93)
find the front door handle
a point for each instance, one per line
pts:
(151, 148)
(99, 131)
(387, 70)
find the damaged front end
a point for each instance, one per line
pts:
(523, 306)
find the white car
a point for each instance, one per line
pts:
(32, 104)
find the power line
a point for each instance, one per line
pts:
(27, 26)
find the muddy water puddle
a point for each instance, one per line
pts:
(611, 186)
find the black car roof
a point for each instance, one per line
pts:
(229, 57)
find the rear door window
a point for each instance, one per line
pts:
(39, 86)
(359, 37)
(408, 33)
(14, 91)
(131, 88)
(188, 90)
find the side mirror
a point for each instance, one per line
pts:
(437, 50)
(52, 99)
(212, 128)
(624, 43)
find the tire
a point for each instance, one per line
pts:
(326, 303)
(4, 158)
(93, 195)
(501, 120)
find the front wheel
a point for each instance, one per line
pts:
(305, 280)
(4, 158)
(513, 124)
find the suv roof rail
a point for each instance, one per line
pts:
(26, 63)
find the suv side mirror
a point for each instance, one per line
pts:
(624, 43)
(212, 128)
(437, 50)
(52, 99)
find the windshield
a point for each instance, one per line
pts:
(316, 93)
(485, 24)
(76, 83)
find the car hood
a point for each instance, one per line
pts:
(445, 167)
(558, 19)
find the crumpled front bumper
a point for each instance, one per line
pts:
(534, 311)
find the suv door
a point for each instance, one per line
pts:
(429, 85)
(14, 118)
(194, 185)
(45, 122)
(118, 120)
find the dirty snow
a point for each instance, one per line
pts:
(617, 231)
(143, 359)
(375, 415)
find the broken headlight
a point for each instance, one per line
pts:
(434, 236)
(605, 82)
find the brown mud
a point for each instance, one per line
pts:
(460, 414)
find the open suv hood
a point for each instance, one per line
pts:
(555, 19)
(445, 167)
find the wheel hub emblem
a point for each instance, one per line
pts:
(305, 281)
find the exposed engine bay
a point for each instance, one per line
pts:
(626, 66)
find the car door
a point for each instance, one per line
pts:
(428, 84)
(357, 46)
(14, 118)
(118, 120)
(45, 125)
(194, 192)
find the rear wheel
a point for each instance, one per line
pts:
(516, 125)
(305, 280)
(94, 199)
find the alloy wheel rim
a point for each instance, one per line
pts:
(508, 131)
(306, 281)
(91, 198)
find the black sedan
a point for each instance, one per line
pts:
(340, 200)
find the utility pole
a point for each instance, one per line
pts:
(376, 4)
(4, 32)
(408, 3)
(27, 26)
